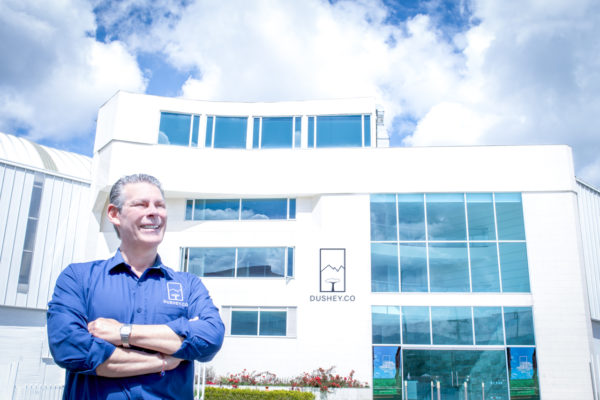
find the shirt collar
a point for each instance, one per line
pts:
(117, 262)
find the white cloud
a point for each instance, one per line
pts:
(54, 75)
(526, 72)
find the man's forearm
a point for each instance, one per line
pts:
(126, 362)
(160, 338)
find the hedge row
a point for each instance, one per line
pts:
(212, 393)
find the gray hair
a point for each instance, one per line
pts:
(117, 198)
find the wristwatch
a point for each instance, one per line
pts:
(125, 332)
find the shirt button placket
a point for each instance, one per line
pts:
(139, 304)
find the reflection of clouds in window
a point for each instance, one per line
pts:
(412, 231)
(163, 138)
(250, 214)
(227, 213)
(264, 208)
(212, 261)
(268, 261)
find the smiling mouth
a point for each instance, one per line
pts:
(148, 226)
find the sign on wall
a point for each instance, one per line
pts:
(332, 276)
(333, 270)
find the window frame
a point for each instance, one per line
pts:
(190, 210)
(211, 120)
(290, 320)
(289, 256)
(365, 124)
(257, 131)
(193, 131)
(470, 244)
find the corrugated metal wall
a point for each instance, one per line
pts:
(59, 239)
(589, 214)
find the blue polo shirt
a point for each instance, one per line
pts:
(109, 289)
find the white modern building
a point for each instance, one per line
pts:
(44, 203)
(444, 272)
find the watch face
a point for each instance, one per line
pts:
(125, 331)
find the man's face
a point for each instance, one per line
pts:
(143, 218)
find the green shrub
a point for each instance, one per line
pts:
(212, 393)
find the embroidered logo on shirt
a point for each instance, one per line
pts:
(175, 291)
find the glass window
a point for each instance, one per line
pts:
(229, 209)
(413, 267)
(30, 233)
(174, 129)
(446, 217)
(292, 209)
(411, 216)
(265, 262)
(339, 131)
(230, 132)
(480, 209)
(488, 326)
(244, 322)
(383, 217)
(367, 129)
(211, 261)
(448, 267)
(195, 128)
(452, 325)
(290, 261)
(209, 132)
(522, 370)
(386, 324)
(513, 267)
(272, 323)
(484, 267)
(518, 322)
(297, 132)
(387, 373)
(454, 374)
(311, 131)
(264, 208)
(384, 267)
(216, 209)
(277, 132)
(256, 134)
(415, 325)
(189, 209)
(509, 213)
(243, 262)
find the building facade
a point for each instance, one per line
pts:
(44, 203)
(456, 272)
(433, 273)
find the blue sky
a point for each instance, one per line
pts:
(463, 72)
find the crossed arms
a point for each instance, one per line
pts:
(128, 362)
(94, 347)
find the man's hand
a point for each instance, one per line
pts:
(107, 329)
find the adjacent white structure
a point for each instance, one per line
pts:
(44, 196)
(458, 272)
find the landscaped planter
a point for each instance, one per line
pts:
(333, 394)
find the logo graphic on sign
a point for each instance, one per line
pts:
(333, 270)
(175, 291)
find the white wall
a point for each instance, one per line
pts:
(59, 238)
(561, 318)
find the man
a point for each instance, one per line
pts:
(130, 327)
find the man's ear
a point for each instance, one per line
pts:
(113, 214)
